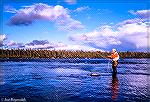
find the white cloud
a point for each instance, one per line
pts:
(135, 33)
(107, 31)
(133, 28)
(57, 14)
(141, 13)
(102, 36)
(44, 44)
(10, 9)
(2, 37)
(124, 37)
(78, 37)
(141, 16)
(69, 25)
(71, 1)
(79, 9)
(130, 21)
(40, 44)
(11, 43)
(77, 47)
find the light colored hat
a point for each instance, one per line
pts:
(114, 50)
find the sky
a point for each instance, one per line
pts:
(75, 25)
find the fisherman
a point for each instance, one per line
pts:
(115, 57)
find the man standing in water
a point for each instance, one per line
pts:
(115, 57)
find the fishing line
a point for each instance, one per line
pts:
(108, 64)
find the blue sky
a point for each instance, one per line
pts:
(75, 25)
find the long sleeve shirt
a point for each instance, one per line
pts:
(115, 56)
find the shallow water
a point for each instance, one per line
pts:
(69, 80)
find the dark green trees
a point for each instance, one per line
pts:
(28, 53)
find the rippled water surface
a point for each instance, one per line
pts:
(69, 80)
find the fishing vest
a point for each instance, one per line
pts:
(115, 56)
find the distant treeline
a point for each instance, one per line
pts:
(22, 53)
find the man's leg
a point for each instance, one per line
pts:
(114, 66)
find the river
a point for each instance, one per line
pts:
(69, 80)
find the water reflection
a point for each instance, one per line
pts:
(114, 86)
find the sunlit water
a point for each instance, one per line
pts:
(69, 80)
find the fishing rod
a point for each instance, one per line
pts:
(106, 58)
(96, 73)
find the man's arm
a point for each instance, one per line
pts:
(109, 57)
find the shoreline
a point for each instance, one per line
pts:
(64, 54)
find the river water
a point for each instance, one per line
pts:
(69, 80)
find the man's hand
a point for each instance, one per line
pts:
(109, 57)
